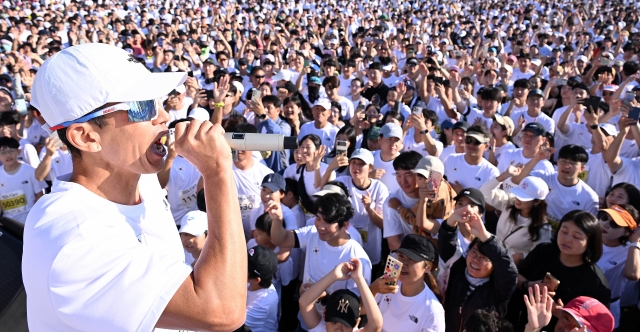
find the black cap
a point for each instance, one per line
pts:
(290, 86)
(536, 128)
(535, 92)
(210, 61)
(262, 262)
(418, 248)
(343, 307)
(474, 195)
(243, 61)
(461, 125)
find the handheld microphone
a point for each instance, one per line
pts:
(260, 142)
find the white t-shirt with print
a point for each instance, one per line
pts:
(262, 310)
(35, 133)
(469, 176)
(410, 144)
(389, 176)
(290, 221)
(612, 264)
(18, 191)
(347, 108)
(391, 219)
(562, 200)
(321, 258)
(515, 157)
(422, 312)
(248, 184)
(327, 134)
(61, 163)
(131, 257)
(370, 233)
(547, 123)
(182, 188)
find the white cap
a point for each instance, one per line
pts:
(82, 78)
(199, 114)
(283, 75)
(531, 188)
(194, 223)
(536, 62)
(364, 155)
(609, 129)
(582, 58)
(324, 102)
(238, 86)
(181, 89)
(429, 164)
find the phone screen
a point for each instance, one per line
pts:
(594, 103)
(634, 113)
(21, 106)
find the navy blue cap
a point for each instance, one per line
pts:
(274, 181)
(536, 128)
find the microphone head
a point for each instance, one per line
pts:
(290, 142)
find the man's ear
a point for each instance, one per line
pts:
(83, 137)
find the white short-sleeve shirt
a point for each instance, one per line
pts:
(182, 188)
(422, 312)
(248, 183)
(18, 191)
(469, 176)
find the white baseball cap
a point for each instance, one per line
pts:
(531, 188)
(324, 102)
(364, 155)
(80, 79)
(199, 114)
(282, 75)
(429, 164)
(194, 223)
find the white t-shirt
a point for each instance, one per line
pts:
(100, 265)
(546, 122)
(287, 270)
(28, 153)
(35, 133)
(182, 188)
(248, 185)
(61, 163)
(447, 152)
(370, 233)
(347, 108)
(517, 74)
(321, 258)
(391, 219)
(262, 310)
(18, 191)
(597, 174)
(469, 176)
(309, 177)
(410, 144)
(578, 134)
(628, 172)
(476, 115)
(422, 312)
(562, 200)
(327, 134)
(389, 176)
(515, 157)
(345, 85)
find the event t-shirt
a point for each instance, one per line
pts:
(262, 310)
(370, 233)
(35, 133)
(101, 266)
(392, 220)
(422, 312)
(327, 134)
(612, 263)
(469, 176)
(562, 199)
(389, 176)
(321, 258)
(182, 188)
(410, 144)
(291, 172)
(546, 122)
(628, 172)
(61, 163)
(28, 153)
(515, 157)
(597, 174)
(18, 191)
(248, 186)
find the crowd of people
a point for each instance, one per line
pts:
(489, 147)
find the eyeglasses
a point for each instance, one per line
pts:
(474, 254)
(471, 140)
(568, 162)
(222, 59)
(258, 76)
(138, 111)
(8, 151)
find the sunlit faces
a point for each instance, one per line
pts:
(267, 195)
(569, 169)
(326, 231)
(412, 271)
(192, 244)
(611, 230)
(307, 151)
(617, 196)
(571, 239)
(407, 181)
(391, 145)
(478, 265)
(359, 169)
(9, 156)
(320, 114)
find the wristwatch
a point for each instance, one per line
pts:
(423, 132)
(594, 127)
(633, 244)
(262, 116)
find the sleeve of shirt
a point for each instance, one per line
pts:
(31, 155)
(304, 235)
(391, 221)
(127, 291)
(553, 126)
(592, 206)
(38, 186)
(383, 195)
(291, 223)
(258, 312)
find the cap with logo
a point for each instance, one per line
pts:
(429, 164)
(535, 128)
(621, 217)
(194, 223)
(343, 307)
(364, 155)
(324, 103)
(409, 84)
(506, 122)
(418, 248)
(391, 130)
(591, 313)
(374, 133)
(531, 188)
(263, 262)
(274, 181)
(474, 195)
(60, 88)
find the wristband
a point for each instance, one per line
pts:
(634, 245)
(218, 104)
(424, 132)
(398, 209)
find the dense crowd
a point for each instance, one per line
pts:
(454, 157)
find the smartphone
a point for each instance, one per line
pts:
(438, 80)
(548, 278)
(417, 110)
(392, 269)
(375, 100)
(360, 108)
(21, 106)
(55, 136)
(341, 148)
(560, 81)
(606, 62)
(172, 135)
(306, 63)
(593, 104)
(634, 113)
(450, 48)
(256, 94)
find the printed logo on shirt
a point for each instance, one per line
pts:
(413, 318)
(180, 169)
(576, 203)
(387, 299)
(613, 263)
(478, 178)
(316, 250)
(25, 182)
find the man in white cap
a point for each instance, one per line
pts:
(391, 136)
(101, 251)
(320, 125)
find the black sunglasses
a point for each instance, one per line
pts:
(471, 140)
(605, 217)
(258, 76)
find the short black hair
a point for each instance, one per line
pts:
(575, 153)
(264, 222)
(493, 94)
(522, 83)
(273, 100)
(407, 161)
(375, 66)
(431, 116)
(291, 187)
(590, 225)
(9, 118)
(9, 143)
(581, 86)
(265, 282)
(334, 208)
(246, 128)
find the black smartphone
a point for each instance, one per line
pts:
(634, 113)
(593, 104)
(209, 94)
(438, 80)
(375, 100)
(190, 73)
(446, 83)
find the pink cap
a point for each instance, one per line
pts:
(590, 312)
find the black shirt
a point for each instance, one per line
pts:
(381, 90)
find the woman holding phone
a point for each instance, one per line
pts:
(567, 266)
(345, 145)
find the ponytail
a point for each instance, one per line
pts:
(431, 282)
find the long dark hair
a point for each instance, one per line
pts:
(352, 138)
(431, 282)
(588, 223)
(631, 191)
(538, 217)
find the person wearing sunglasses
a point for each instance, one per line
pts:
(104, 247)
(470, 169)
(620, 261)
